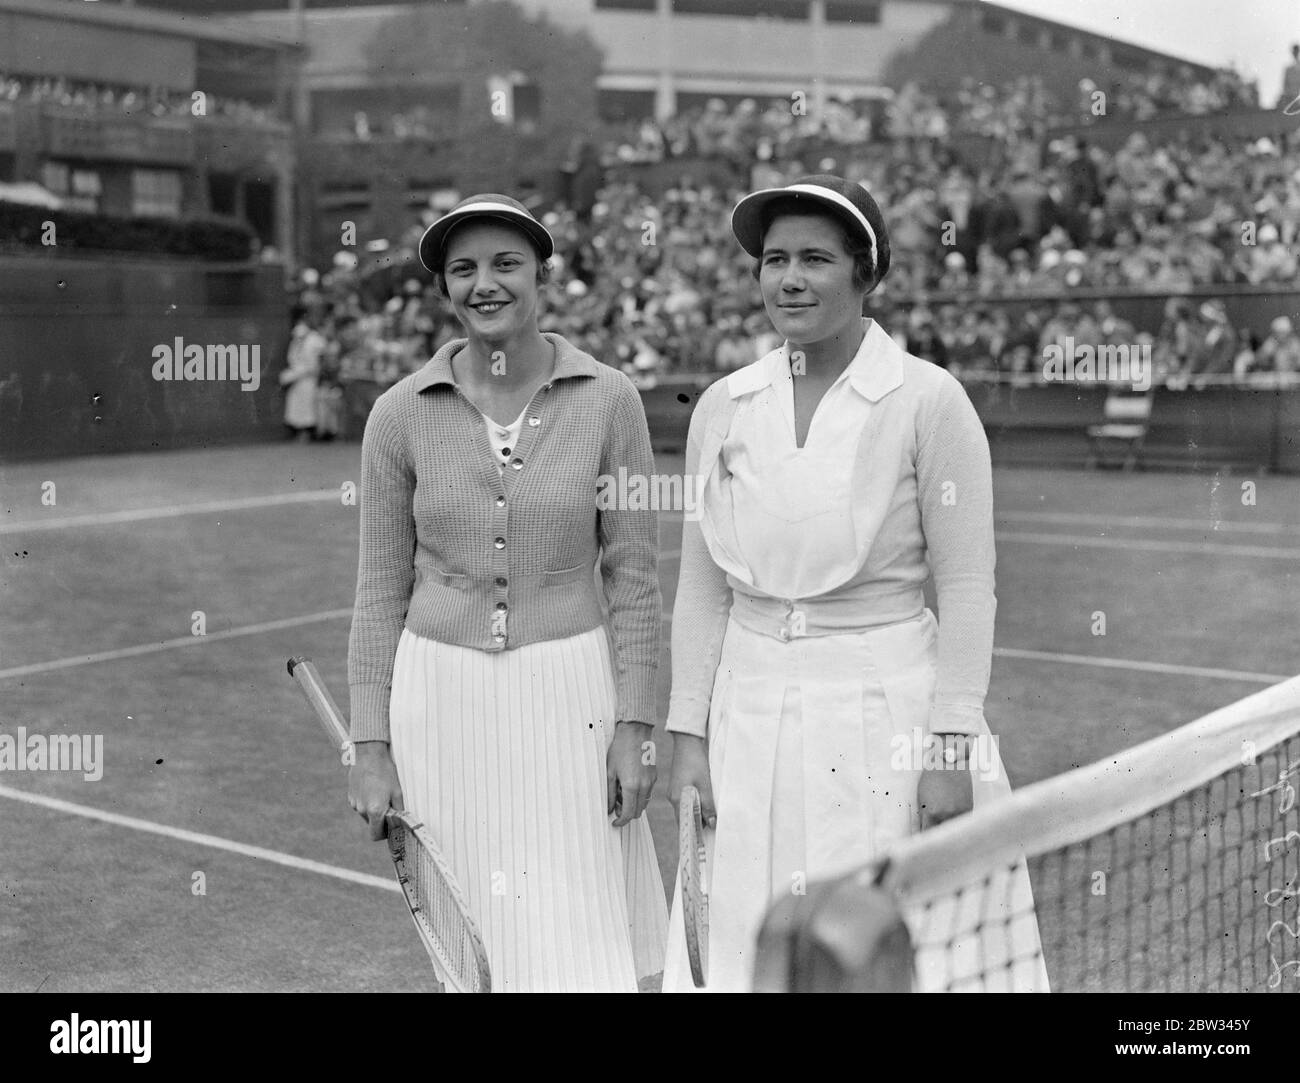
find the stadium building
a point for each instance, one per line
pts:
(657, 58)
(663, 56)
(133, 112)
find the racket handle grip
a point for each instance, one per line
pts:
(304, 671)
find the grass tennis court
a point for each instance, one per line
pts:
(208, 736)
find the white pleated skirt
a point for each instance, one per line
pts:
(803, 742)
(502, 755)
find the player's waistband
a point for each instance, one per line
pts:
(845, 614)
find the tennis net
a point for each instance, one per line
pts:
(1173, 866)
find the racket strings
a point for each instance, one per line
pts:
(695, 897)
(438, 910)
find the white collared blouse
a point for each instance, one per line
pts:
(894, 485)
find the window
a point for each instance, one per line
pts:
(744, 9)
(626, 5)
(618, 105)
(80, 189)
(1056, 40)
(527, 104)
(54, 175)
(1130, 59)
(865, 12)
(85, 184)
(156, 193)
(993, 22)
(259, 209)
(223, 194)
(1027, 33)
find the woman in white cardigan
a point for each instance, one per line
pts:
(838, 473)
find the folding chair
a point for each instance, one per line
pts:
(1127, 416)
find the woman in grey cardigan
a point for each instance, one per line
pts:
(489, 690)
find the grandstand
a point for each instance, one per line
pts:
(147, 175)
(1020, 216)
(133, 112)
(663, 57)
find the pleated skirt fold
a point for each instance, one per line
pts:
(502, 755)
(804, 742)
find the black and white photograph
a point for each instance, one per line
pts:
(651, 496)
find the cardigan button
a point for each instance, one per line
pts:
(500, 581)
(501, 502)
(784, 633)
(498, 639)
(500, 543)
(518, 464)
(534, 421)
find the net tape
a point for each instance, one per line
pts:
(1174, 866)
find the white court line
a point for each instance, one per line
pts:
(191, 641)
(667, 618)
(181, 835)
(1141, 667)
(136, 515)
(1051, 539)
(173, 644)
(1148, 546)
(1215, 526)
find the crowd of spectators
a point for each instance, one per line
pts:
(1167, 215)
(652, 282)
(1022, 108)
(126, 100)
(1194, 344)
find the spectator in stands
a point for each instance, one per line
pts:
(1177, 334)
(359, 376)
(922, 340)
(1245, 360)
(1270, 259)
(734, 349)
(1033, 206)
(306, 348)
(1291, 82)
(1280, 351)
(997, 222)
(1214, 349)
(586, 180)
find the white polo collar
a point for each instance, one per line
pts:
(876, 369)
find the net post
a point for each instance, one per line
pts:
(844, 936)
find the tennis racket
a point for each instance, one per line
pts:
(437, 903)
(691, 874)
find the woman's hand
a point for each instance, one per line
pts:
(372, 785)
(942, 794)
(691, 768)
(630, 771)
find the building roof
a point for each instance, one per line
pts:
(1070, 28)
(190, 27)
